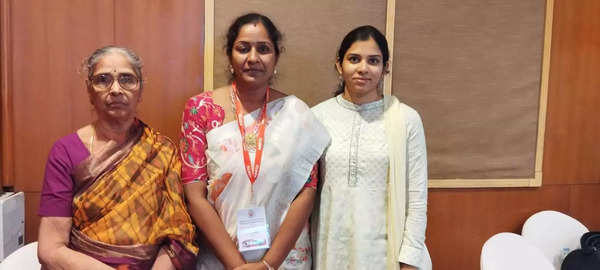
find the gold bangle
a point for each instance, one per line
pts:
(269, 267)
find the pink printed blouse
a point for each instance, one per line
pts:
(200, 116)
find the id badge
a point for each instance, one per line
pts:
(252, 229)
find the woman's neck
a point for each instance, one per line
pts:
(359, 99)
(251, 97)
(112, 130)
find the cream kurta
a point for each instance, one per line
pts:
(349, 227)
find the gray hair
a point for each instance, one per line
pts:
(89, 64)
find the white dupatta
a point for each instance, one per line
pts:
(396, 135)
(294, 141)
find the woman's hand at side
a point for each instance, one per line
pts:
(53, 250)
(290, 229)
(252, 266)
(209, 222)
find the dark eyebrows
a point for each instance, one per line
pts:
(242, 42)
(368, 56)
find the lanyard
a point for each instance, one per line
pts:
(251, 171)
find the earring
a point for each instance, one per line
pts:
(230, 68)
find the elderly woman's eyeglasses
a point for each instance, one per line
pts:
(104, 81)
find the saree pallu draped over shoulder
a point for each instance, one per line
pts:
(294, 141)
(128, 203)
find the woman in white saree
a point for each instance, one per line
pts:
(249, 155)
(372, 209)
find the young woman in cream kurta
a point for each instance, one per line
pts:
(373, 195)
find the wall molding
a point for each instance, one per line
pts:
(6, 123)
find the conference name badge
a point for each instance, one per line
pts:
(252, 229)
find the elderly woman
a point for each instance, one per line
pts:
(373, 195)
(248, 155)
(112, 194)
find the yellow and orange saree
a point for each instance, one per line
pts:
(128, 204)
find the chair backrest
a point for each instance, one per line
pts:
(554, 233)
(511, 251)
(24, 258)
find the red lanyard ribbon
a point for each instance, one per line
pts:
(251, 171)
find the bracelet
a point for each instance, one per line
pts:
(269, 267)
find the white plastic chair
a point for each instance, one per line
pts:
(24, 258)
(554, 233)
(511, 251)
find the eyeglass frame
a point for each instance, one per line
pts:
(137, 86)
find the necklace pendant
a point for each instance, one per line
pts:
(250, 141)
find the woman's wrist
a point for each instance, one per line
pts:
(272, 259)
(269, 267)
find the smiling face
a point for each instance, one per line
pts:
(253, 56)
(114, 102)
(362, 69)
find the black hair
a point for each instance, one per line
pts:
(362, 33)
(234, 31)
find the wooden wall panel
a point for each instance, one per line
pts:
(168, 36)
(572, 152)
(48, 42)
(6, 138)
(460, 221)
(32, 220)
(584, 201)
